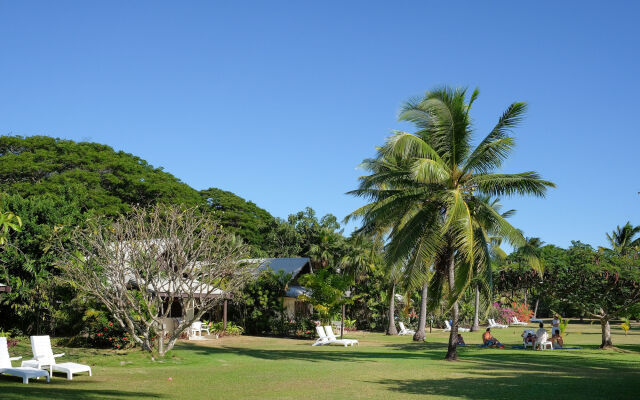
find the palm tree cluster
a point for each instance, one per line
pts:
(432, 192)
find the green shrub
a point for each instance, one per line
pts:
(232, 329)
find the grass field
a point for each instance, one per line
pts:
(381, 368)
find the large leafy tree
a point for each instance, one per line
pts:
(429, 197)
(239, 216)
(604, 285)
(108, 181)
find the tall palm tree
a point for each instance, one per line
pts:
(393, 274)
(429, 197)
(623, 240)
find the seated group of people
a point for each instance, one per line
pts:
(490, 341)
(542, 336)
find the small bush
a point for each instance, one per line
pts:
(101, 332)
(232, 329)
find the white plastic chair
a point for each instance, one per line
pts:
(543, 342)
(23, 372)
(43, 356)
(405, 331)
(198, 327)
(524, 337)
(333, 339)
(448, 328)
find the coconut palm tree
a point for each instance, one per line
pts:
(623, 240)
(393, 275)
(426, 187)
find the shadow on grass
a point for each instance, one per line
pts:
(42, 390)
(485, 375)
(318, 354)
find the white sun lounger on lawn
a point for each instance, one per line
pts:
(494, 324)
(322, 337)
(448, 328)
(516, 322)
(43, 357)
(405, 331)
(24, 372)
(333, 339)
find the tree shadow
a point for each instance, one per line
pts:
(35, 390)
(505, 375)
(312, 354)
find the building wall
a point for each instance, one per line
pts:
(289, 304)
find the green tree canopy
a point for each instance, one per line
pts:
(238, 215)
(110, 181)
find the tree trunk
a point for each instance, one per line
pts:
(606, 334)
(535, 310)
(525, 297)
(391, 330)
(421, 333)
(476, 325)
(452, 353)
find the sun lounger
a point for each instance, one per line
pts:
(494, 324)
(405, 331)
(322, 337)
(23, 372)
(516, 322)
(448, 328)
(333, 339)
(43, 357)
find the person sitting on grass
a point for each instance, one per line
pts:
(489, 340)
(460, 341)
(556, 340)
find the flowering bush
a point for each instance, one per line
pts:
(522, 312)
(504, 313)
(101, 332)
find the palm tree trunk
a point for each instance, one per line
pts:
(391, 330)
(421, 333)
(476, 325)
(452, 353)
(535, 310)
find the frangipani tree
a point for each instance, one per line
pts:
(144, 262)
(426, 187)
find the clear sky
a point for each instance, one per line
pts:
(280, 101)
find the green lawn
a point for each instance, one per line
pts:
(381, 368)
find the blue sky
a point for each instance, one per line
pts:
(280, 101)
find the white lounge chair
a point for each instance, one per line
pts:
(333, 339)
(516, 322)
(494, 324)
(322, 337)
(448, 328)
(43, 357)
(198, 327)
(24, 372)
(405, 331)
